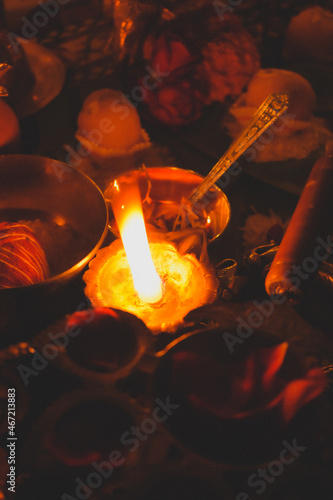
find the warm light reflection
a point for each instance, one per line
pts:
(187, 284)
(127, 209)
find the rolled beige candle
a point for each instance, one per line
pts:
(308, 239)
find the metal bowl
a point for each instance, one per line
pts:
(33, 188)
(203, 359)
(173, 185)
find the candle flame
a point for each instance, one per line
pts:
(127, 208)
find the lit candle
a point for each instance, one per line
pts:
(129, 274)
(127, 208)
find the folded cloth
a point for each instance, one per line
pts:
(259, 382)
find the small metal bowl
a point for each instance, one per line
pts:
(33, 188)
(172, 185)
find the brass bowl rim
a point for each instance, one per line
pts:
(83, 262)
(166, 167)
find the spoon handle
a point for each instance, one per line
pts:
(267, 113)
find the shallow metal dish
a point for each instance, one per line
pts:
(34, 187)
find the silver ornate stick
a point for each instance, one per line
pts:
(266, 114)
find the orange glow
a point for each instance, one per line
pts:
(126, 205)
(187, 284)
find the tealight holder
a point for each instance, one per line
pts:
(162, 275)
(101, 345)
(187, 284)
(80, 427)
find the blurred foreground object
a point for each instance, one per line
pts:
(234, 390)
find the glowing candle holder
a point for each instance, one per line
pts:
(150, 280)
(187, 284)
